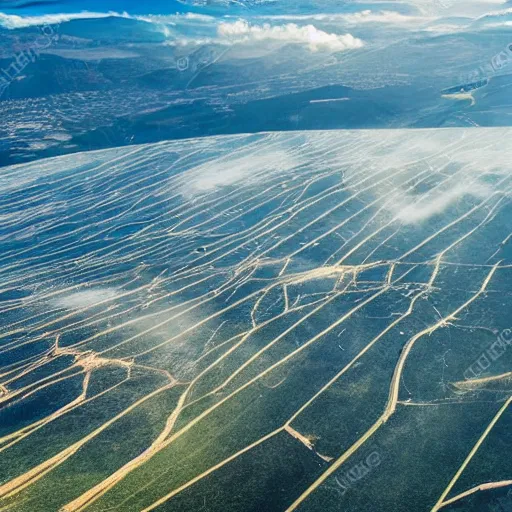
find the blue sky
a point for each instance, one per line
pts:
(132, 6)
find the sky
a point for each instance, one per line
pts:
(442, 7)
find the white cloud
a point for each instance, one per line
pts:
(175, 19)
(236, 32)
(86, 298)
(239, 170)
(501, 12)
(465, 8)
(425, 207)
(496, 19)
(366, 16)
(391, 17)
(445, 28)
(13, 21)
(195, 16)
(243, 32)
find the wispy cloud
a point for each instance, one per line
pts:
(412, 210)
(365, 16)
(86, 298)
(238, 170)
(13, 21)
